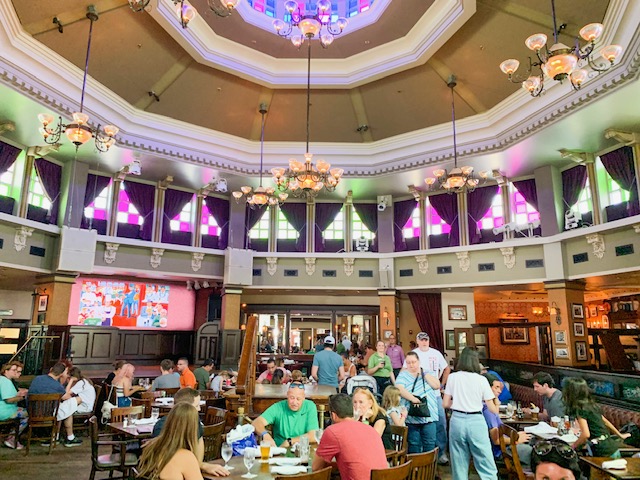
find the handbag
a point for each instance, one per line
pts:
(107, 406)
(422, 409)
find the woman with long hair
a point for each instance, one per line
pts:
(466, 393)
(80, 397)
(367, 410)
(172, 455)
(579, 404)
(123, 385)
(414, 384)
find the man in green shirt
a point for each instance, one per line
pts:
(379, 366)
(291, 419)
(202, 374)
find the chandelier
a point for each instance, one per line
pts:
(79, 132)
(559, 61)
(459, 179)
(305, 179)
(319, 24)
(260, 196)
(186, 12)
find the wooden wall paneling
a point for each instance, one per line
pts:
(150, 344)
(131, 344)
(231, 344)
(102, 345)
(80, 344)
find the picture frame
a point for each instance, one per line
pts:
(561, 336)
(41, 318)
(578, 329)
(479, 339)
(458, 312)
(43, 302)
(387, 334)
(450, 336)
(577, 311)
(482, 351)
(562, 353)
(514, 335)
(581, 351)
(593, 311)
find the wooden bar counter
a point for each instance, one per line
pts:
(266, 395)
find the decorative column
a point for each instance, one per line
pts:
(462, 218)
(118, 178)
(231, 308)
(26, 181)
(311, 225)
(273, 228)
(57, 288)
(422, 208)
(566, 304)
(197, 233)
(348, 222)
(506, 202)
(159, 219)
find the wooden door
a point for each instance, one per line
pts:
(207, 340)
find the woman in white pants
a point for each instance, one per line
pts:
(80, 398)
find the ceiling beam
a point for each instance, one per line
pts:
(165, 81)
(462, 90)
(266, 97)
(361, 114)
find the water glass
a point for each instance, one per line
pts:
(155, 414)
(249, 459)
(227, 453)
(303, 446)
(133, 418)
(318, 434)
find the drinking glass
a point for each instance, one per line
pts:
(227, 453)
(155, 414)
(318, 434)
(249, 459)
(265, 451)
(510, 410)
(133, 418)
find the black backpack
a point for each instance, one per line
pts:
(634, 430)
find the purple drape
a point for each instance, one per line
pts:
(251, 219)
(446, 206)
(478, 203)
(428, 310)
(143, 197)
(573, 182)
(401, 214)
(619, 164)
(174, 202)
(296, 215)
(8, 155)
(50, 175)
(368, 213)
(527, 189)
(219, 210)
(95, 185)
(325, 215)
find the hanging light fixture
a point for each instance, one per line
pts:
(305, 179)
(223, 8)
(261, 196)
(459, 179)
(79, 132)
(559, 61)
(310, 25)
(138, 5)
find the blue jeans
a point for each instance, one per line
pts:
(442, 426)
(422, 437)
(468, 438)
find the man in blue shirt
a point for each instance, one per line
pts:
(328, 368)
(50, 383)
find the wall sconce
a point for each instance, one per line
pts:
(385, 315)
(537, 311)
(554, 311)
(243, 327)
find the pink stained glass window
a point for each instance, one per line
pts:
(127, 213)
(182, 221)
(523, 212)
(208, 224)
(493, 218)
(437, 225)
(411, 229)
(98, 208)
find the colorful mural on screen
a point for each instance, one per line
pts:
(123, 304)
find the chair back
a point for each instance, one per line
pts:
(212, 438)
(400, 472)
(424, 466)
(43, 408)
(324, 474)
(118, 414)
(98, 389)
(143, 402)
(215, 415)
(510, 456)
(148, 396)
(208, 394)
(399, 436)
(94, 435)
(169, 392)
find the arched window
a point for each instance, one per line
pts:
(127, 213)
(359, 229)
(99, 207)
(335, 231)
(412, 228)
(208, 224)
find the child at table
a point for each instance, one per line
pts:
(391, 403)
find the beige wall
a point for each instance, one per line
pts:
(18, 301)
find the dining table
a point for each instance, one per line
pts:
(631, 472)
(131, 431)
(514, 421)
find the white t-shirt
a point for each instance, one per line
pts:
(87, 394)
(469, 391)
(431, 361)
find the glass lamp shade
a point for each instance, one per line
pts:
(277, 172)
(332, 182)
(559, 66)
(579, 76)
(456, 182)
(472, 182)
(45, 132)
(290, 6)
(78, 134)
(439, 173)
(246, 190)
(186, 13)
(531, 84)
(326, 39)
(283, 196)
(237, 195)
(273, 200)
(231, 4)
(109, 143)
(308, 183)
(591, 32)
(80, 118)
(509, 66)
(297, 40)
(341, 23)
(279, 25)
(318, 186)
(536, 42)
(259, 199)
(611, 52)
(323, 167)
(337, 173)
(270, 190)
(309, 27)
(430, 181)
(483, 174)
(45, 119)
(295, 165)
(466, 170)
(111, 130)
(294, 185)
(323, 5)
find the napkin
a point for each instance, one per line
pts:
(569, 438)
(145, 421)
(282, 461)
(618, 464)
(274, 451)
(144, 428)
(541, 428)
(289, 469)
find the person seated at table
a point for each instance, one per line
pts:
(187, 378)
(190, 396)
(268, 373)
(291, 418)
(552, 404)
(350, 370)
(202, 374)
(391, 403)
(123, 385)
(277, 378)
(117, 366)
(505, 396)
(602, 437)
(166, 379)
(9, 398)
(353, 445)
(555, 460)
(297, 376)
(218, 380)
(367, 410)
(494, 422)
(80, 397)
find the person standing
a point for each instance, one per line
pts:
(466, 393)
(395, 354)
(327, 366)
(379, 367)
(202, 374)
(9, 397)
(187, 378)
(167, 379)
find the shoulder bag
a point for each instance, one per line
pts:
(421, 409)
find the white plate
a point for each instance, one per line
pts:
(289, 469)
(284, 461)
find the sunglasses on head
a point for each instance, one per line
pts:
(296, 385)
(544, 448)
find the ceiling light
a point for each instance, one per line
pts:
(138, 5)
(261, 196)
(460, 179)
(196, 285)
(559, 61)
(310, 25)
(305, 179)
(79, 132)
(223, 8)
(189, 285)
(205, 284)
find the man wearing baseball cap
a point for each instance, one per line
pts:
(328, 368)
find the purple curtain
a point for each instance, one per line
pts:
(219, 210)
(50, 175)
(527, 189)
(251, 219)
(95, 185)
(368, 213)
(401, 214)
(143, 197)
(8, 155)
(573, 182)
(296, 215)
(325, 215)
(446, 205)
(478, 203)
(619, 164)
(428, 310)
(174, 202)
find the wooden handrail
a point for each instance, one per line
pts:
(246, 382)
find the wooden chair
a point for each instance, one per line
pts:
(148, 396)
(510, 455)
(169, 392)
(324, 474)
(117, 460)
(400, 437)
(215, 415)
(208, 395)
(118, 414)
(11, 425)
(81, 420)
(400, 472)
(145, 403)
(212, 438)
(43, 409)
(424, 465)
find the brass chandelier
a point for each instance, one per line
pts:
(309, 24)
(186, 13)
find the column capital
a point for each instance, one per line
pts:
(565, 284)
(55, 278)
(387, 293)
(622, 136)
(231, 290)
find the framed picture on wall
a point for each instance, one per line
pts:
(593, 311)
(581, 351)
(458, 312)
(482, 351)
(577, 310)
(479, 338)
(561, 336)
(451, 339)
(43, 301)
(578, 329)
(514, 335)
(387, 334)
(562, 353)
